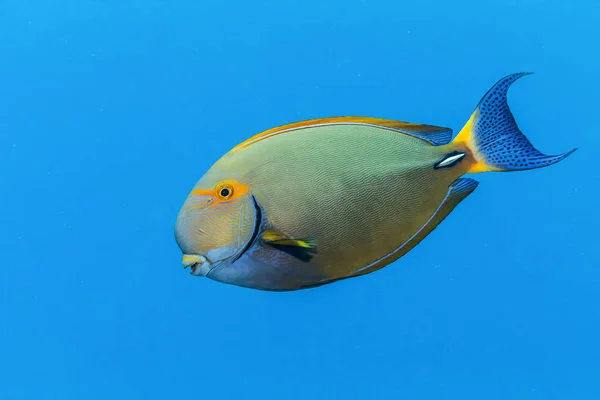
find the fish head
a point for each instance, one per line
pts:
(216, 224)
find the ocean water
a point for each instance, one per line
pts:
(110, 111)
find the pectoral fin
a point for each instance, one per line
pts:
(302, 249)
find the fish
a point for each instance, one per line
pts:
(318, 201)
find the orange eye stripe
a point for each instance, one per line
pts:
(238, 190)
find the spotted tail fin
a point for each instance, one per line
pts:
(494, 139)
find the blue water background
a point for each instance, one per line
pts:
(110, 111)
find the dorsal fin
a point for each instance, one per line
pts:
(435, 135)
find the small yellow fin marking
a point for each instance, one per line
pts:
(302, 249)
(275, 237)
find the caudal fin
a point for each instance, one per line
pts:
(494, 139)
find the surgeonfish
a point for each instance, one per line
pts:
(317, 201)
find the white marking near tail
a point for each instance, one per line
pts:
(451, 159)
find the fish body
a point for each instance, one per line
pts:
(317, 201)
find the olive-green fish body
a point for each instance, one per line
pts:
(360, 191)
(341, 197)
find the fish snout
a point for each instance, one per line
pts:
(198, 264)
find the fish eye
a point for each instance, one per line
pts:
(225, 192)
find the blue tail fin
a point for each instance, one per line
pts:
(494, 139)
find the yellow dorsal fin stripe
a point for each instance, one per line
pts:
(338, 120)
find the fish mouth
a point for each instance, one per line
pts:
(198, 264)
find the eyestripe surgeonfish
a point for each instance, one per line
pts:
(317, 201)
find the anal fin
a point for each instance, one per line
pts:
(302, 249)
(457, 192)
